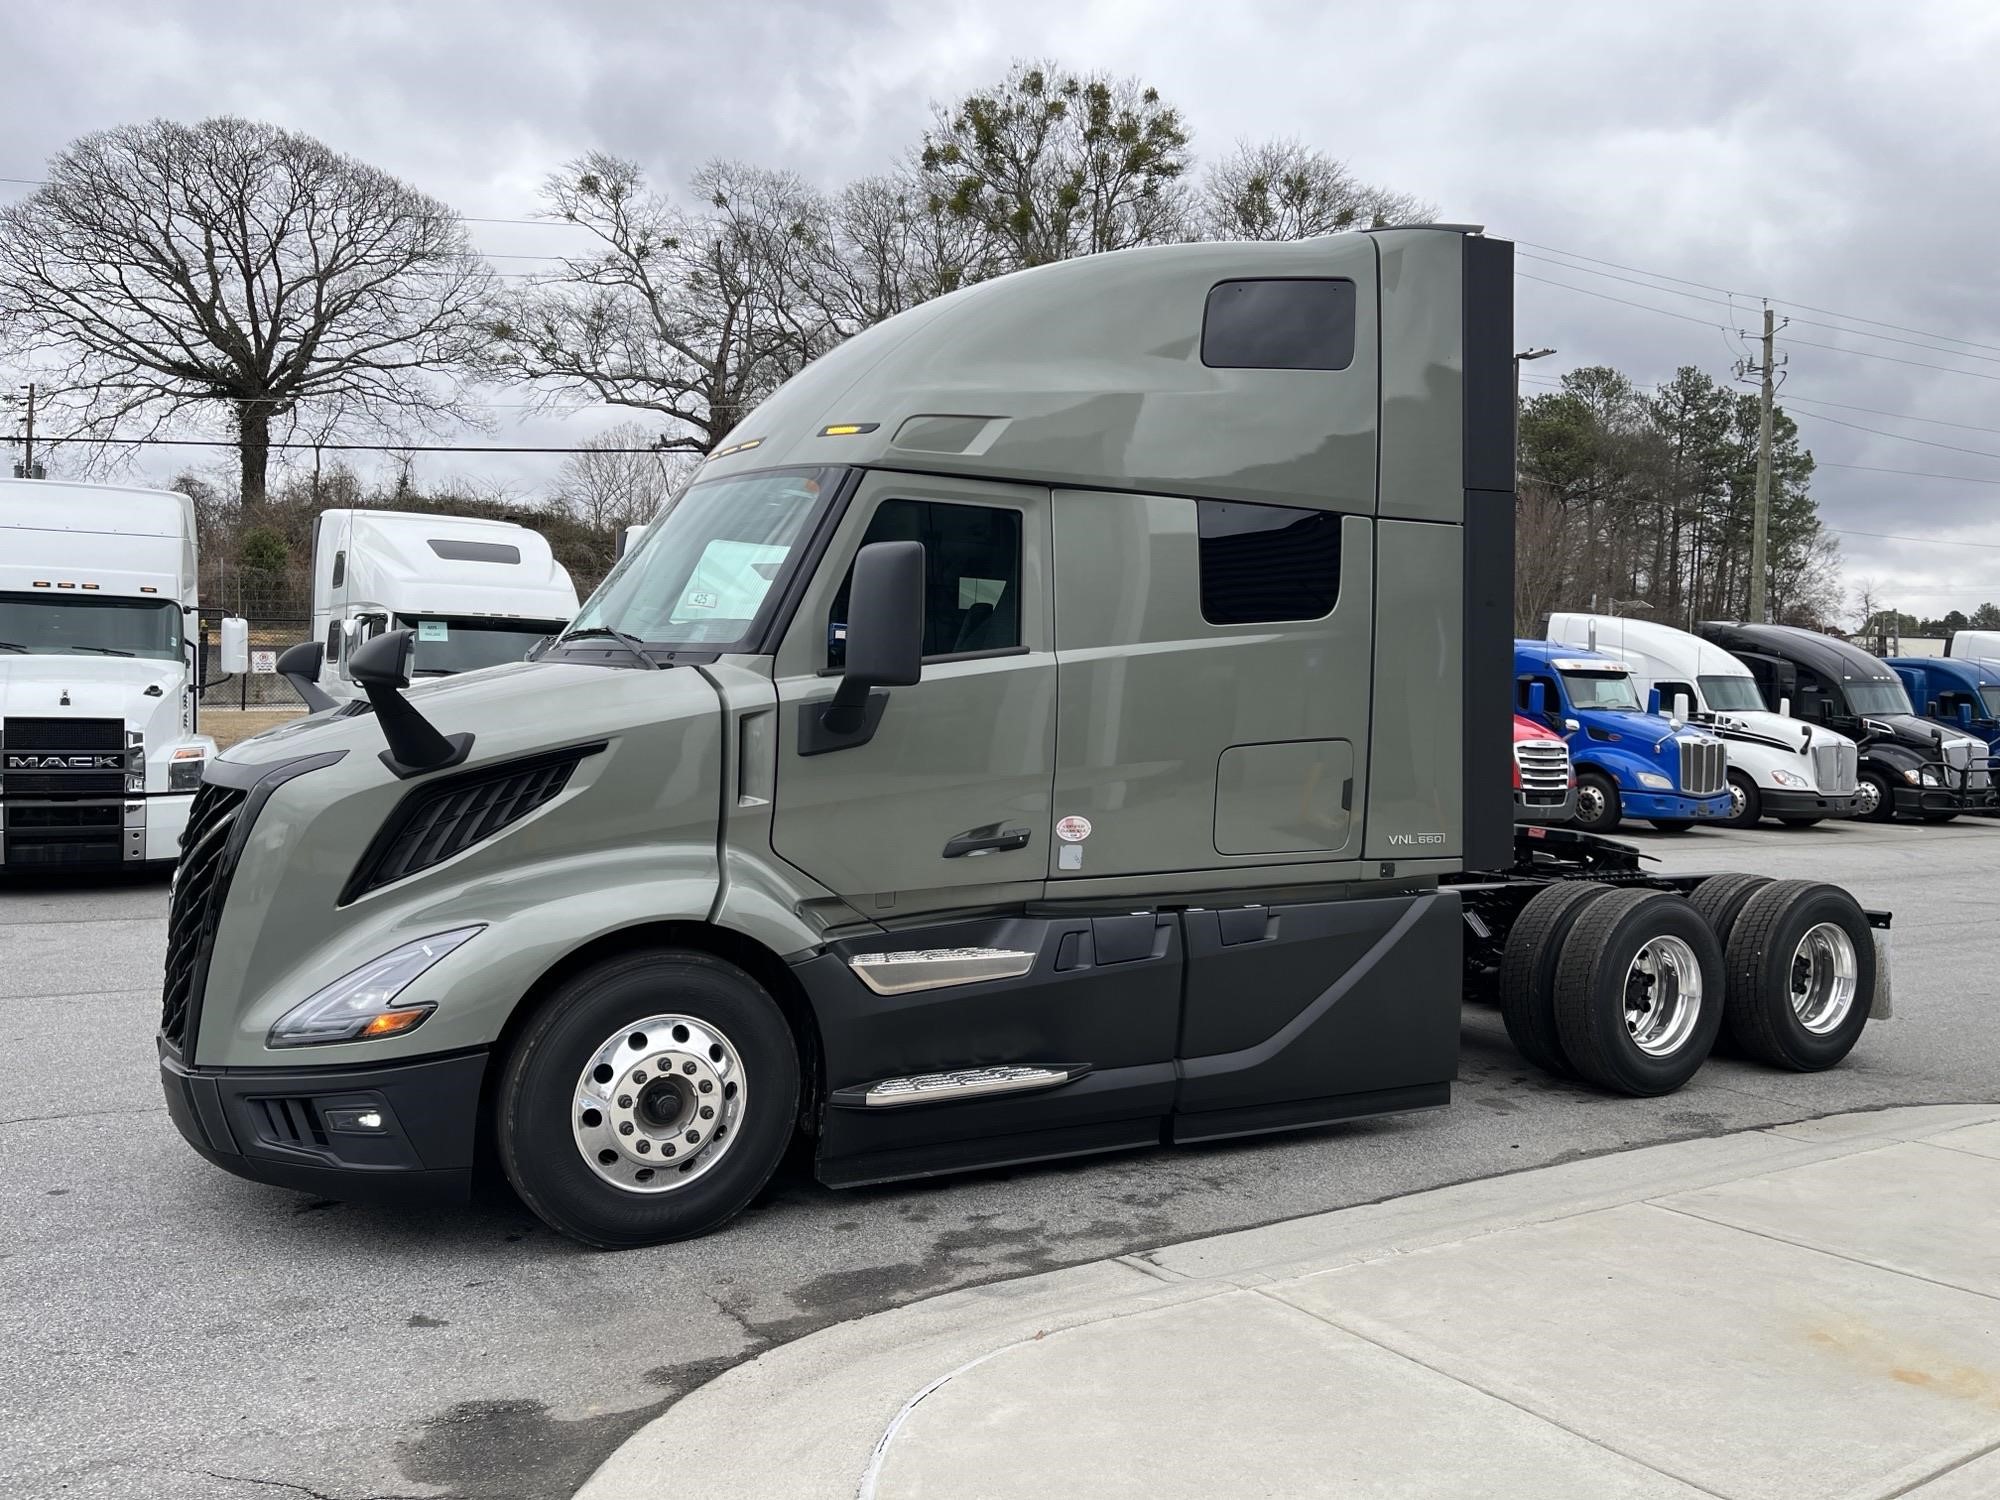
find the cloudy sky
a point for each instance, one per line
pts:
(1836, 157)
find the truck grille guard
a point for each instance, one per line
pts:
(1969, 782)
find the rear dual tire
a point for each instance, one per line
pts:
(1638, 992)
(1800, 962)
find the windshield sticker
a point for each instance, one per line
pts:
(1073, 829)
(433, 630)
(699, 599)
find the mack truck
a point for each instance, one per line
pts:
(1779, 767)
(1631, 760)
(1907, 767)
(100, 742)
(1962, 693)
(1069, 716)
(473, 591)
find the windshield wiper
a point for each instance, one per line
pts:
(631, 643)
(105, 650)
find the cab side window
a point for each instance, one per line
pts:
(972, 576)
(1264, 563)
(1669, 689)
(1523, 696)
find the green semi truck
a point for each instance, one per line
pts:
(1072, 715)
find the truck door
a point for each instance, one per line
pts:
(946, 805)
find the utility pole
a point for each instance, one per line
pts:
(1760, 520)
(26, 469)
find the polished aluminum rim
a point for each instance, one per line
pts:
(1662, 996)
(658, 1104)
(1739, 800)
(1824, 978)
(1871, 797)
(1589, 803)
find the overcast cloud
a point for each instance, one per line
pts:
(1833, 155)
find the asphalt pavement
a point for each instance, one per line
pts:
(172, 1330)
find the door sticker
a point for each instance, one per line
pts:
(1073, 829)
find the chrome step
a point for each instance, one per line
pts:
(937, 968)
(959, 1083)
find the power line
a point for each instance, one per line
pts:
(1894, 359)
(1664, 312)
(1901, 437)
(1900, 416)
(1927, 541)
(159, 442)
(1827, 463)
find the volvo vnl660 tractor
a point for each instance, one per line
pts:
(1071, 715)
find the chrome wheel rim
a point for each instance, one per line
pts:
(1871, 797)
(1824, 979)
(658, 1104)
(1663, 989)
(1589, 803)
(1738, 801)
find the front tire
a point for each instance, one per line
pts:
(1746, 803)
(649, 1099)
(1878, 799)
(1597, 806)
(1801, 975)
(1638, 994)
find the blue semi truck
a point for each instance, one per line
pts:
(1631, 761)
(1960, 692)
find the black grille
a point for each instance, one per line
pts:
(289, 1122)
(65, 783)
(196, 907)
(448, 817)
(42, 850)
(63, 734)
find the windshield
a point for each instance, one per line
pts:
(450, 643)
(1990, 696)
(1606, 690)
(62, 625)
(1877, 698)
(705, 572)
(1723, 694)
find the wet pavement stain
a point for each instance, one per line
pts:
(514, 1450)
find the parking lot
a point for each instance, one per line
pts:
(175, 1331)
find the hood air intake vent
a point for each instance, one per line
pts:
(450, 815)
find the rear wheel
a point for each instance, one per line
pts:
(1528, 970)
(1878, 800)
(649, 1099)
(1746, 803)
(1719, 899)
(1638, 994)
(1597, 806)
(1801, 975)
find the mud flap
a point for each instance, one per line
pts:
(1882, 1006)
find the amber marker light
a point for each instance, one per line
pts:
(848, 429)
(395, 1022)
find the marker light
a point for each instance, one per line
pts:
(362, 1005)
(848, 429)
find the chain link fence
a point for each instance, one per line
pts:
(270, 635)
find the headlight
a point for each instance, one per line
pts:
(362, 1005)
(184, 775)
(1932, 776)
(1656, 781)
(1790, 778)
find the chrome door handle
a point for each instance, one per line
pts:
(991, 839)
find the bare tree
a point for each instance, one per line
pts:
(1052, 163)
(1285, 190)
(892, 248)
(607, 485)
(694, 313)
(168, 269)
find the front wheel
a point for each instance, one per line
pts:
(649, 1099)
(1597, 807)
(1878, 800)
(1746, 803)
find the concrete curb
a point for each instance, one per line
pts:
(813, 1418)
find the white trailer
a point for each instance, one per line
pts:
(100, 749)
(1976, 645)
(476, 592)
(1779, 767)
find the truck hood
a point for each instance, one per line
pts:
(1643, 728)
(1782, 731)
(95, 687)
(1916, 733)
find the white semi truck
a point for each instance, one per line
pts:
(475, 592)
(1779, 767)
(100, 752)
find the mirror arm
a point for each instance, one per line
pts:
(415, 745)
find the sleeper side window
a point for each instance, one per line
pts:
(340, 567)
(1263, 563)
(972, 576)
(1292, 323)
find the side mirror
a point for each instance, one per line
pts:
(299, 665)
(885, 646)
(1538, 699)
(382, 667)
(1784, 708)
(1571, 726)
(383, 662)
(1653, 703)
(235, 655)
(1965, 715)
(1681, 706)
